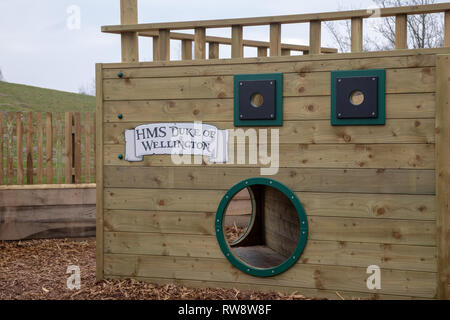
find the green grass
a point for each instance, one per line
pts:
(18, 97)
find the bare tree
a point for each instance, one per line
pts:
(88, 89)
(424, 30)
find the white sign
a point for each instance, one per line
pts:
(177, 139)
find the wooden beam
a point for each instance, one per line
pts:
(285, 52)
(130, 44)
(19, 142)
(99, 171)
(40, 149)
(227, 41)
(262, 52)
(357, 35)
(237, 39)
(200, 43)
(275, 39)
(49, 148)
(164, 45)
(401, 31)
(286, 19)
(447, 29)
(1, 148)
(29, 133)
(443, 174)
(315, 36)
(213, 50)
(156, 48)
(68, 160)
(186, 49)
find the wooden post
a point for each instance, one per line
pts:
(156, 49)
(443, 174)
(19, 142)
(262, 52)
(285, 52)
(401, 31)
(40, 149)
(68, 148)
(130, 44)
(357, 35)
(49, 148)
(99, 170)
(447, 29)
(213, 50)
(315, 36)
(9, 147)
(29, 123)
(237, 42)
(275, 39)
(87, 147)
(186, 49)
(200, 43)
(164, 45)
(77, 147)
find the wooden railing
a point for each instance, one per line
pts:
(130, 30)
(47, 148)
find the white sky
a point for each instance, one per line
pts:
(37, 48)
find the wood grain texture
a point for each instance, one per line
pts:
(443, 174)
(48, 148)
(296, 64)
(414, 80)
(30, 150)
(368, 206)
(40, 149)
(408, 283)
(319, 132)
(315, 37)
(164, 45)
(130, 43)
(357, 35)
(19, 147)
(398, 106)
(99, 173)
(401, 31)
(237, 39)
(2, 135)
(275, 39)
(200, 43)
(339, 253)
(186, 49)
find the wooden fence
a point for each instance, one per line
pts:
(47, 148)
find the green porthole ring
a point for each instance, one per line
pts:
(259, 272)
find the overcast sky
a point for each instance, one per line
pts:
(39, 45)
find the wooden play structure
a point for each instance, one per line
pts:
(349, 193)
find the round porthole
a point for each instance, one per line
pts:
(261, 227)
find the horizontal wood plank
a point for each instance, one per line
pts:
(353, 254)
(398, 106)
(408, 283)
(349, 156)
(306, 180)
(372, 206)
(415, 80)
(301, 67)
(319, 132)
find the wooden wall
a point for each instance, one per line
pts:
(369, 192)
(42, 212)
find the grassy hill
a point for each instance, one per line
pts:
(18, 97)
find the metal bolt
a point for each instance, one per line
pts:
(271, 182)
(271, 82)
(242, 115)
(241, 83)
(373, 113)
(246, 182)
(272, 116)
(374, 79)
(339, 114)
(339, 80)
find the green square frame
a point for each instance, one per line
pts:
(278, 121)
(381, 119)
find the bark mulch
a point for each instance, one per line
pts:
(36, 269)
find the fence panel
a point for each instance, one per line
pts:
(47, 148)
